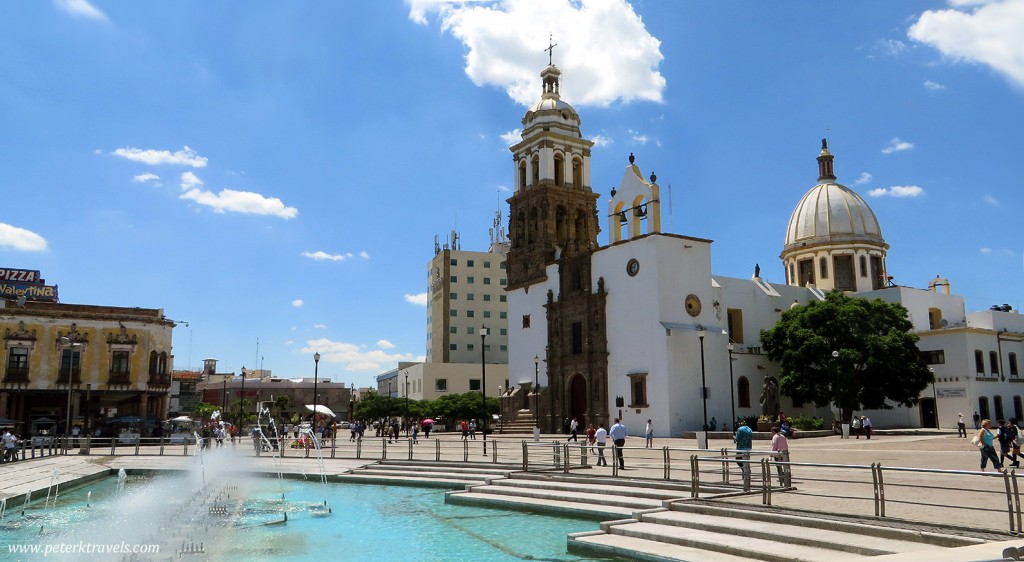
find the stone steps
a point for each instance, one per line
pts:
(427, 474)
(697, 530)
(568, 508)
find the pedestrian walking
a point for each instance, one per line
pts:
(977, 420)
(649, 435)
(415, 433)
(865, 423)
(988, 451)
(744, 439)
(1006, 434)
(856, 425)
(1018, 439)
(961, 427)
(591, 436)
(618, 433)
(573, 428)
(780, 446)
(472, 430)
(601, 438)
(464, 426)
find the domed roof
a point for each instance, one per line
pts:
(550, 110)
(831, 213)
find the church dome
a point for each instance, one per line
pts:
(550, 112)
(831, 213)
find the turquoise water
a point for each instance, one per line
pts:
(365, 522)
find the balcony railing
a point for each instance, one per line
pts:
(160, 380)
(75, 376)
(16, 374)
(119, 378)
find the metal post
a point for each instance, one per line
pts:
(732, 387)
(703, 381)
(316, 375)
(483, 383)
(694, 477)
(526, 458)
(667, 464)
(241, 403)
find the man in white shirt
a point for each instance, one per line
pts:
(780, 446)
(618, 433)
(573, 428)
(601, 436)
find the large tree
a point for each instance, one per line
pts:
(853, 352)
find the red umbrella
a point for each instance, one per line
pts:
(428, 420)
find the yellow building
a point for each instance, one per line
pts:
(106, 362)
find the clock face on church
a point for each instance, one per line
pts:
(692, 304)
(633, 267)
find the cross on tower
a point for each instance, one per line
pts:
(551, 49)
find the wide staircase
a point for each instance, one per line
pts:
(524, 423)
(430, 474)
(719, 531)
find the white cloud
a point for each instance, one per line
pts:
(21, 239)
(601, 141)
(892, 47)
(297, 303)
(986, 33)
(364, 255)
(991, 201)
(320, 326)
(355, 358)
(147, 177)
(385, 344)
(290, 342)
(419, 299)
(639, 138)
(897, 191)
(81, 9)
(512, 137)
(864, 178)
(245, 202)
(184, 157)
(506, 47)
(897, 145)
(933, 86)
(503, 189)
(985, 251)
(324, 256)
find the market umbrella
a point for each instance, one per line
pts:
(428, 420)
(321, 409)
(180, 419)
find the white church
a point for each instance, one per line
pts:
(636, 328)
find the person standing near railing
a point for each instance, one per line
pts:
(744, 443)
(601, 438)
(649, 435)
(780, 446)
(618, 433)
(987, 450)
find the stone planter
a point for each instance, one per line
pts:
(764, 425)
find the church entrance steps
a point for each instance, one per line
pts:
(698, 530)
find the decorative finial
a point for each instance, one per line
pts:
(654, 178)
(551, 49)
(631, 158)
(824, 144)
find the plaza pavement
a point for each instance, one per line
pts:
(972, 501)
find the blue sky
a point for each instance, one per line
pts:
(279, 170)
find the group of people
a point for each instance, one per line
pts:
(1009, 437)
(10, 444)
(861, 424)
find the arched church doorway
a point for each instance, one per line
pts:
(578, 398)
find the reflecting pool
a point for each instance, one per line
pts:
(237, 517)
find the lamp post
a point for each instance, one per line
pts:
(241, 401)
(536, 374)
(839, 389)
(703, 380)
(223, 397)
(483, 382)
(66, 343)
(316, 375)
(732, 387)
(406, 405)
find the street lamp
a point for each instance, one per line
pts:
(316, 375)
(406, 405)
(839, 390)
(703, 380)
(241, 401)
(732, 386)
(483, 382)
(66, 343)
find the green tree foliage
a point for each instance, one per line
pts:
(203, 410)
(373, 406)
(878, 362)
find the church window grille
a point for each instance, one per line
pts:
(536, 170)
(823, 263)
(843, 273)
(559, 170)
(638, 390)
(522, 174)
(863, 266)
(70, 365)
(577, 173)
(743, 392)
